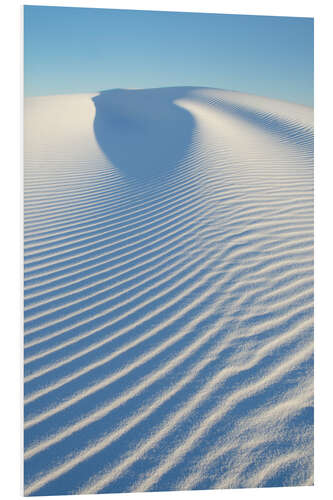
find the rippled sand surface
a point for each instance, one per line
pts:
(168, 291)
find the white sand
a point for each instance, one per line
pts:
(168, 292)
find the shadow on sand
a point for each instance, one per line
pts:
(143, 132)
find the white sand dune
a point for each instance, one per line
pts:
(168, 291)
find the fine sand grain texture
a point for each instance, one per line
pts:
(168, 291)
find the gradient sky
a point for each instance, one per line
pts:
(69, 50)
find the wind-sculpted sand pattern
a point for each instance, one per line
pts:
(168, 291)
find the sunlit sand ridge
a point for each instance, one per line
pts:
(168, 291)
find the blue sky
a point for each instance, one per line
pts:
(69, 50)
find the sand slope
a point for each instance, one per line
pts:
(168, 291)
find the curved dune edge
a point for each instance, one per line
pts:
(168, 291)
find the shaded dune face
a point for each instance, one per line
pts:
(143, 132)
